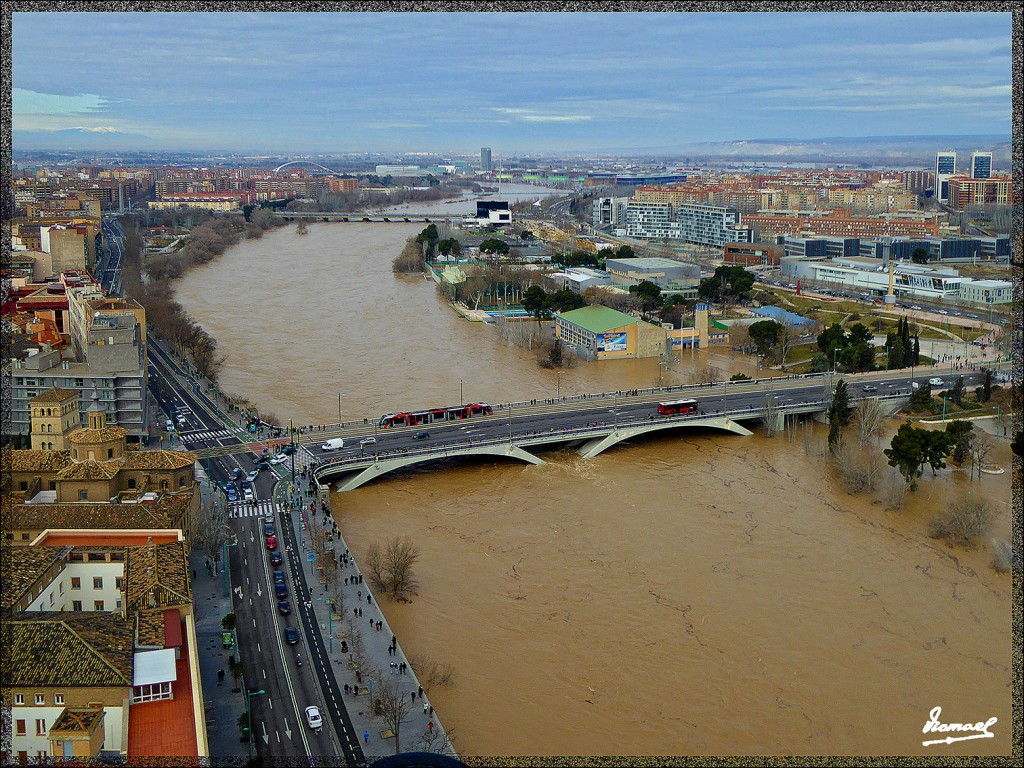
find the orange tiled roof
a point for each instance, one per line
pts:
(36, 461)
(156, 576)
(85, 516)
(24, 566)
(90, 470)
(54, 395)
(68, 649)
(87, 435)
(158, 459)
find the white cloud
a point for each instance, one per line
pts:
(533, 116)
(26, 102)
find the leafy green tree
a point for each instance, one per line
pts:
(1017, 445)
(565, 300)
(449, 246)
(429, 233)
(838, 414)
(494, 245)
(647, 293)
(986, 387)
(526, 235)
(765, 334)
(897, 352)
(830, 339)
(820, 363)
(917, 350)
(937, 446)
(624, 252)
(740, 377)
(860, 334)
(535, 301)
(921, 398)
(919, 255)
(906, 452)
(228, 622)
(960, 435)
(956, 392)
(727, 284)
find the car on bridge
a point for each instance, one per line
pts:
(367, 441)
(421, 435)
(936, 382)
(869, 388)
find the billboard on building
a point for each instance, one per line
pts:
(611, 342)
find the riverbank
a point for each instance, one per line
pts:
(615, 606)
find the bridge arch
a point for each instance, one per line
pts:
(388, 464)
(306, 162)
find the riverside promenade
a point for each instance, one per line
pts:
(421, 731)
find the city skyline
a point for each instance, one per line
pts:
(347, 82)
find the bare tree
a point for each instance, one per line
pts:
(857, 471)
(431, 672)
(708, 374)
(209, 529)
(787, 338)
(772, 414)
(963, 521)
(376, 569)
(436, 741)
(400, 555)
(869, 417)
(894, 490)
(393, 705)
(981, 448)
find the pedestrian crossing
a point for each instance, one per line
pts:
(247, 509)
(194, 437)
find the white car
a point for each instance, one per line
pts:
(313, 718)
(367, 441)
(936, 382)
(279, 459)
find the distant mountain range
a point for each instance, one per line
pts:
(888, 150)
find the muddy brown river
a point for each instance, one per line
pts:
(692, 593)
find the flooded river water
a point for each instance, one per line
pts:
(694, 593)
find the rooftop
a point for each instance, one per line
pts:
(68, 649)
(597, 319)
(24, 567)
(156, 576)
(89, 515)
(54, 395)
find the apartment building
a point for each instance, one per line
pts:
(964, 192)
(713, 225)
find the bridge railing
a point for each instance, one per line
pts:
(530, 437)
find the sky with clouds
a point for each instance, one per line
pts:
(452, 82)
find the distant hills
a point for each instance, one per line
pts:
(885, 151)
(868, 150)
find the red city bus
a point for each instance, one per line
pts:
(677, 406)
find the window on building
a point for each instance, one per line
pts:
(110, 453)
(58, 698)
(97, 582)
(83, 495)
(76, 605)
(53, 485)
(97, 605)
(19, 727)
(40, 698)
(40, 726)
(42, 755)
(76, 582)
(153, 692)
(131, 482)
(117, 605)
(23, 485)
(181, 482)
(19, 698)
(119, 582)
(24, 537)
(51, 598)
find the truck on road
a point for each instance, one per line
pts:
(333, 444)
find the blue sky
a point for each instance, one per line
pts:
(340, 82)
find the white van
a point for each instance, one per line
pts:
(333, 444)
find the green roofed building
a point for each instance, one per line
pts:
(602, 333)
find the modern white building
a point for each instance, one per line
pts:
(713, 225)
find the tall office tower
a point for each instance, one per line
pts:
(485, 159)
(945, 167)
(981, 165)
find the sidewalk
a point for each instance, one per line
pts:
(222, 704)
(377, 741)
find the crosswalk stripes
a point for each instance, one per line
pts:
(246, 509)
(197, 436)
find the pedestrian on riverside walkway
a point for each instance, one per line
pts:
(413, 694)
(421, 696)
(366, 737)
(394, 640)
(369, 600)
(425, 705)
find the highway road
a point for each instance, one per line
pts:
(271, 663)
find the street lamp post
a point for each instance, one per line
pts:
(339, 409)
(291, 442)
(944, 408)
(248, 708)
(510, 424)
(558, 385)
(462, 400)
